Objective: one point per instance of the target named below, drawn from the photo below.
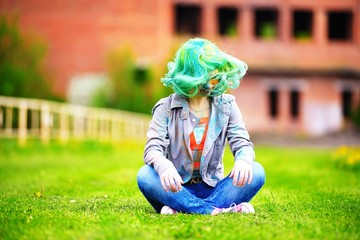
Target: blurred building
(304, 56)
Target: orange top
(197, 140)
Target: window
(340, 26)
(273, 102)
(294, 104)
(346, 96)
(266, 23)
(227, 19)
(188, 19)
(302, 25)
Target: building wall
(81, 33)
(320, 104)
(284, 51)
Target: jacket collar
(178, 101)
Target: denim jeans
(198, 198)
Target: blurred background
(303, 57)
(78, 80)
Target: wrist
(243, 160)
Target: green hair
(196, 63)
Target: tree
(21, 63)
(133, 86)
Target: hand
(242, 172)
(171, 180)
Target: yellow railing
(32, 118)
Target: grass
(88, 191)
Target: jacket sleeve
(157, 139)
(238, 137)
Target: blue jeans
(198, 198)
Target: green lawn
(89, 191)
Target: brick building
(304, 56)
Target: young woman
(184, 169)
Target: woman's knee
(146, 176)
(259, 173)
(143, 174)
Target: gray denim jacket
(168, 137)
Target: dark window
(340, 25)
(302, 24)
(346, 96)
(273, 100)
(294, 103)
(266, 23)
(227, 19)
(188, 19)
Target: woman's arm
(238, 137)
(241, 147)
(157, 139)
(156, 147)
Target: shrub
(133, 86)
(22, 73)
(347, 157)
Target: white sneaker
(246, 207)
(243, 207)
(166, 210)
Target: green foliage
(231, 30)
(268, 31)
(88, 191)
(347, 157)
(134, 87)
(303, 35)
(21, 63)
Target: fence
(32, 118)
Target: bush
(347, 157)
(133, 87)
(21, 63)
